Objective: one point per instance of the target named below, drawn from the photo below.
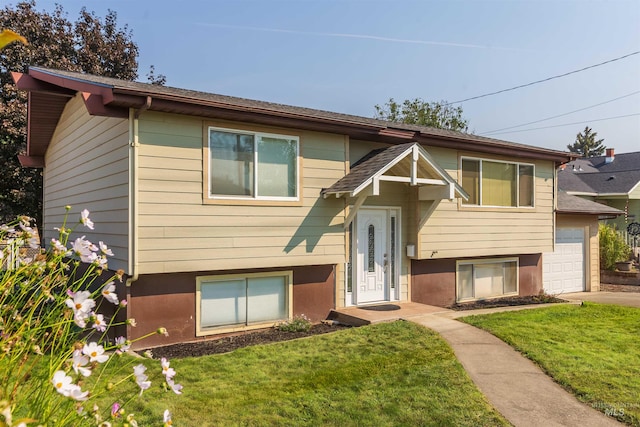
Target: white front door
(373, 256)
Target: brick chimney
(610, 156)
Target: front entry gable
(407, 163)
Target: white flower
(34, 243)
(177, 388)
(132, 422)
(100, 261)
(81, 304)
(166, 418)
(59, 247)
(81, 301)
(77, 394)
(166, 370)
(141, 378)
(26, 230)
(95, 352)
(84, 249)
(84, 219)
(80, 318)
(98, 322)
(79, 361)
(109, 293)
(62, 383)
(122, 344)
(104, 249)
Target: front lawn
(593, 350)
(386, 374)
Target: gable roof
(50, 89)
(577, 205)
(593, 176)
(374, 165)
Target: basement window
(240, 302)
(486, 278)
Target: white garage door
(563, 269)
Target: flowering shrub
(297, 324)
(52, 337)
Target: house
(228, 214)
(612, 179)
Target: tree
(90, 44)
(419, 112)
(586, 144)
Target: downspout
(134, 145)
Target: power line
(568, 124)
(560, 115)
(547, 79)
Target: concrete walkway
(514, 385)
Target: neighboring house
(228, 214)
(613, 180)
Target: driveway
(630, 299)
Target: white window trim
(287, 274)
(255, 162)
(517, 164)
(487, 261)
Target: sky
(349, 55)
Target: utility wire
(568, 124)
(545, 80)
(560, 115)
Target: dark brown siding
(169, 301)
(530, 275)
(313, 291)
(163, 300)
(433, 282)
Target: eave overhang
(112, 101)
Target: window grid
(254, 192)
(520, 199)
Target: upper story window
(497, 184)
(252, 165)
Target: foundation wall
(169, 301)
(433, 282)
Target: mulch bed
(266, 336)
(505, 302)
(227, 344)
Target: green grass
(387, 374)
(592, 350)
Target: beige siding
(592, 245)
(178, 232)
(87, 168)
(455, 232)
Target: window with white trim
(252, 165)
(238, 302)
(477, 279)
(497, 184)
